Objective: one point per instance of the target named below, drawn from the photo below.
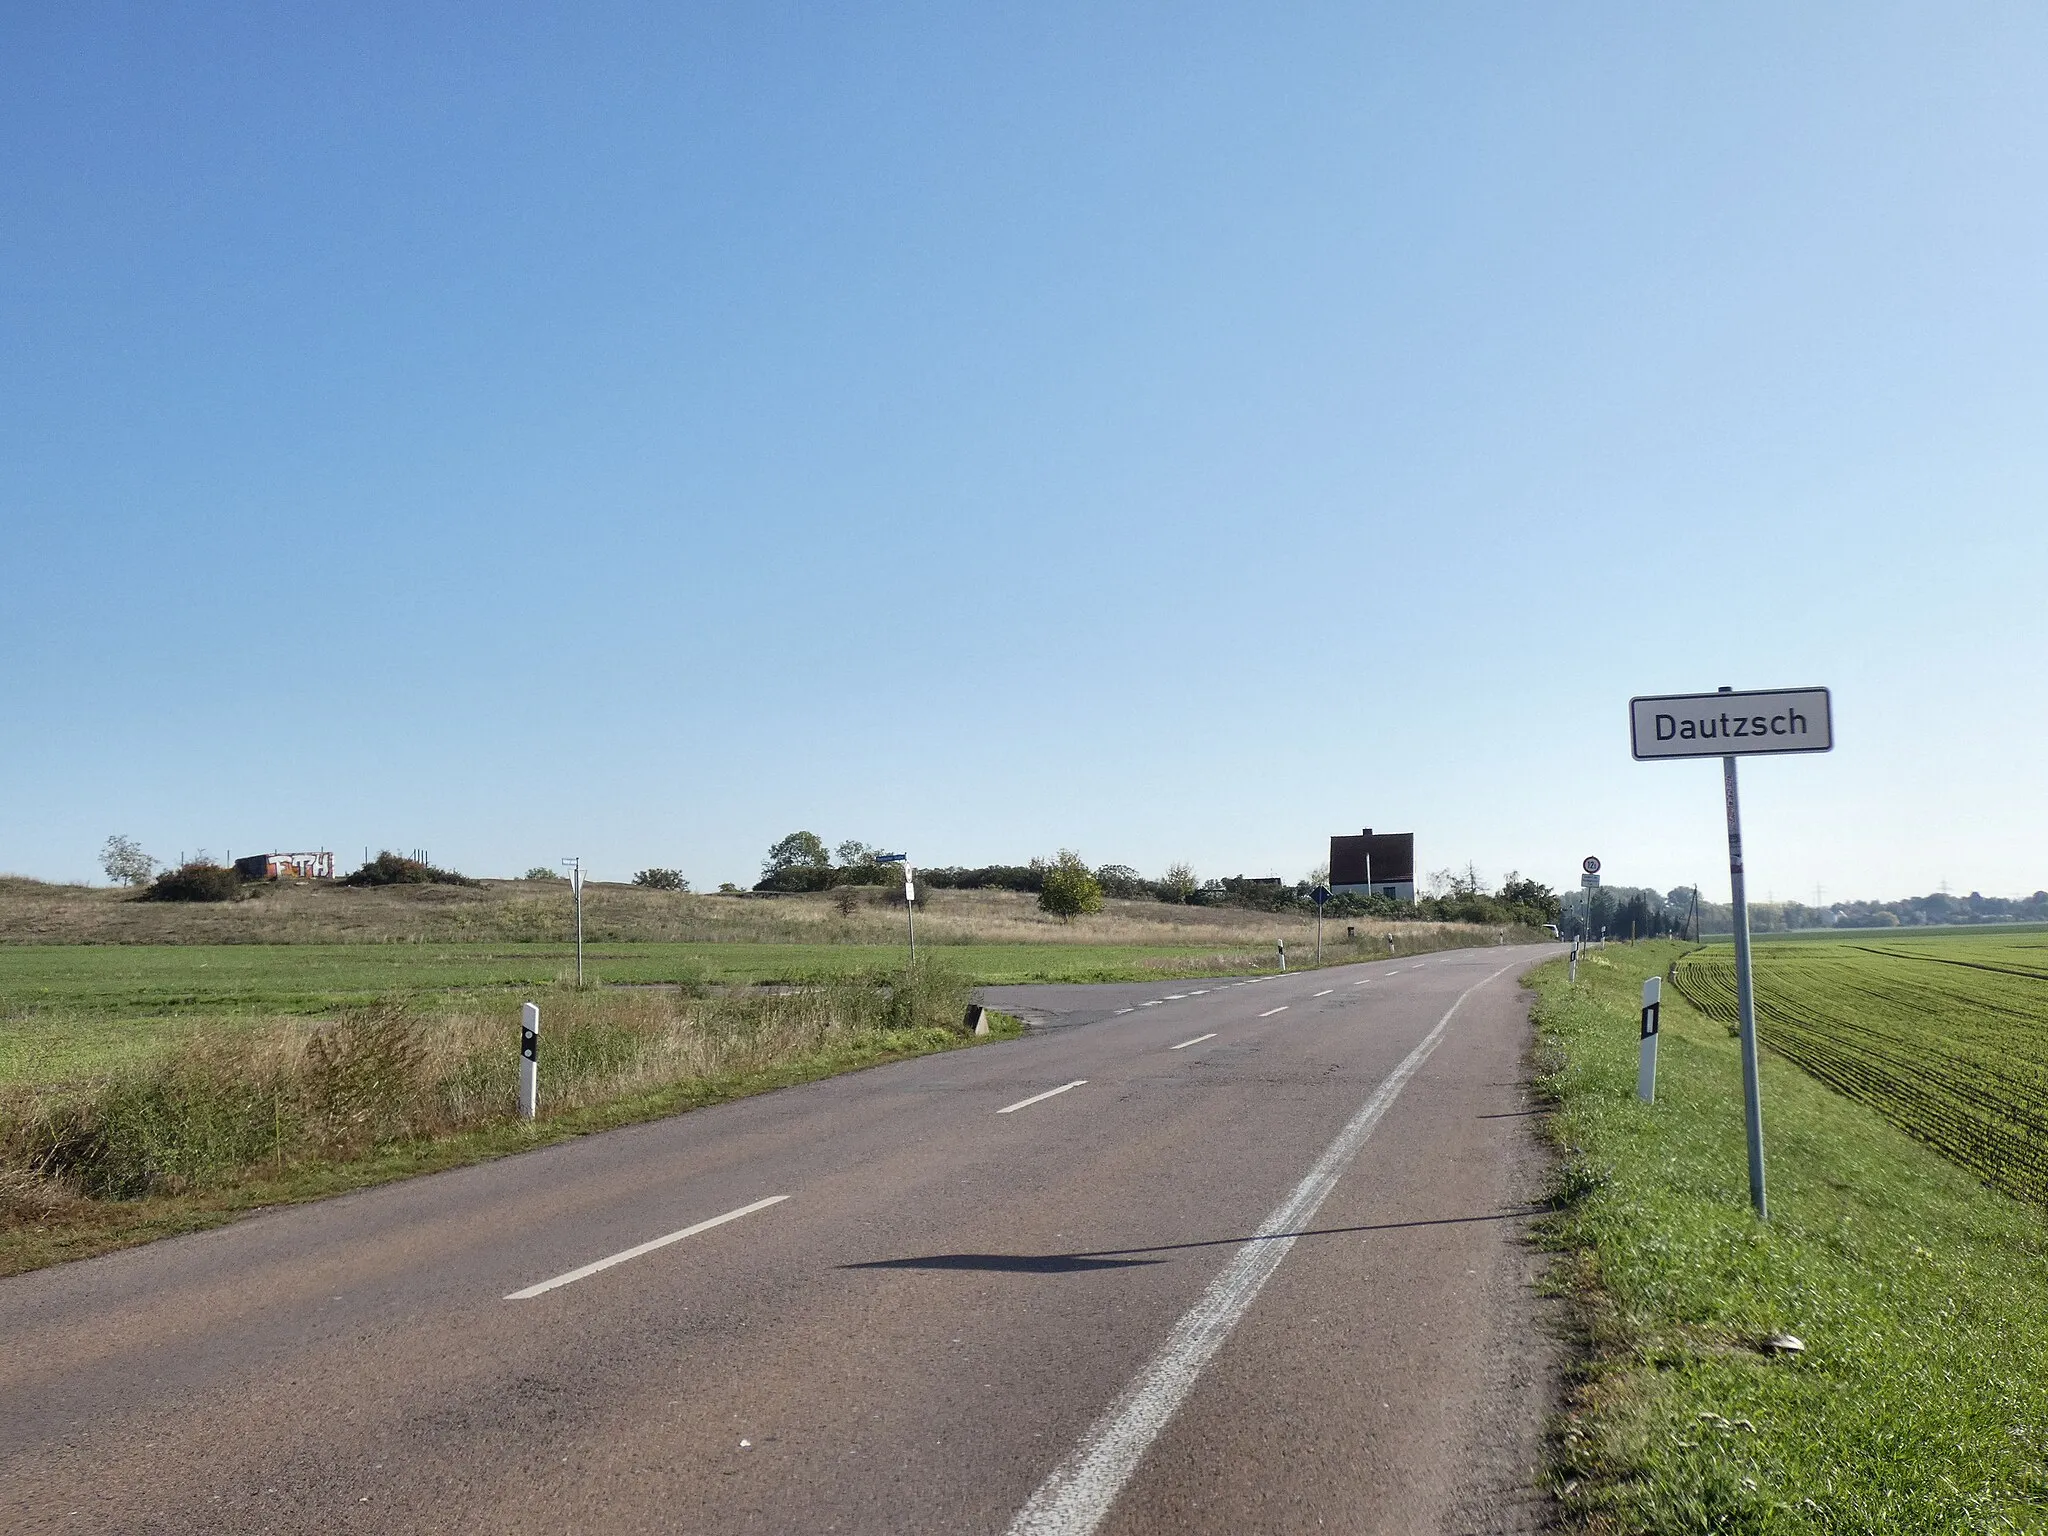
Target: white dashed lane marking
(637, 1250)
(1037, 1097)
(1196, 1041)
(1271, 1011)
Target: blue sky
(1166, 432)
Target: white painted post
(529, 1060)
(1283, 954)
(1646, 1068)
(1574, 977)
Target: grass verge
(1921, 1401)
(229, 1123)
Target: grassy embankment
(223, 1121)
(1921, 1401)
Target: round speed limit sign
(1590, 865)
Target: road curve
(1218, 1257)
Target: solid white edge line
(648, 1247)
(1077, 1495)
(1196, 1041)
(1271, 1011)
(1023, 1103)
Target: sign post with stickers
(1728, 725)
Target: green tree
(661, 880)
(125, 862)
(1070, 891)
(1122, 882)
(798, 851)
(1179, 881)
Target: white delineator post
(529, 1060)
(1646, 1068)
(1283, 955)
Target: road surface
(1206, 1257)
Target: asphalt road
(1272, 1280)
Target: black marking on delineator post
(529, 1060)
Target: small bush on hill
(389, 868)
(196, 881)
(661, 880)
(541, 872)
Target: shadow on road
(1119, 1258)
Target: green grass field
(67, 1009)
(1921, 1401)
(1946, 1037)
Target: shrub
(196, 881)
(661, 880)
(541, 872)
(1070, 891)
(389, 868)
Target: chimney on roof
(1367, 832)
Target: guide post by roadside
(529, 1060)
(1764, 723)
(1646, 1065)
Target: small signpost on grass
(1728, 725)
(1319, 895)
(909, 894)
(1646, 1066)
(575, 867)
(529, 1060)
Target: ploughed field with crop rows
(1947, 1037)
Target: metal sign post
(909, 894)
(1745, 997)
(1728, 725)
(1319, 895)
(576, 887)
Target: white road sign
(1732, 724)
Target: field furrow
(1946, 1038)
